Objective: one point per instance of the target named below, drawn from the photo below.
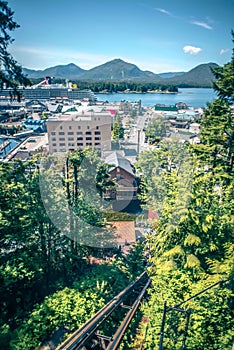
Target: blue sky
(156, 35)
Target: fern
(177, 250)
(192, 240)
(192, 261)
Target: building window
(62, 139)
(70, 133)
(97, 132)
(61, 128)
(97, 127)
(54, 150)
(54, 144)
(88, 138)
(61, 133)
(53, 139)
(79, 143)
(70, 138)
(88, 143)
(80, 138)
(62, 144)
(78, 127)
(79, 133)
(88, 133)
(88, 127)
(97, 144)
(62, 150)
(71, 144)
(97, 138)
(70, 128)
(53, 133)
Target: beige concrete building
(79, 130)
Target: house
(36, 106)
(123, 172)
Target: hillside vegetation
(191, 244)
(118, 70)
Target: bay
(194, 97)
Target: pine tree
(118, 130)
(10, 72)
(191, 251)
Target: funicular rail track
(88, 336)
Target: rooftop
(117, 160)
(124, 232)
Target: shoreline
(195, 97)
(137, 92)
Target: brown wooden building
(122, 172)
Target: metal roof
(119, 161)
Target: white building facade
(78, 131)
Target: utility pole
(138, 141)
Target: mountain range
(119, 70)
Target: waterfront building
(163, 107)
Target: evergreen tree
(156, 130)
(10, 72)
(118, 130)
(191, 244)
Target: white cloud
(224, 51)
(202, 24)
(192, 50)
(163, 11)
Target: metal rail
(116, 340)
(89, 330)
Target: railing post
(186, 329)
(162, 326)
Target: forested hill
(119, 70)
(200, 76)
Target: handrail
(85, 332)
(116, 339)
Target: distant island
(137, 92)
(106, 87)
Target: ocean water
(194, 97)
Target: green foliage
(211, 316)
(224, 79)
(121, 86)
(135, 261)
(118, 130)
(191, 245)
(67, 307)
(156, 130)
(119, 216)
(37, 259)
(70, 307)
(10, 73)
